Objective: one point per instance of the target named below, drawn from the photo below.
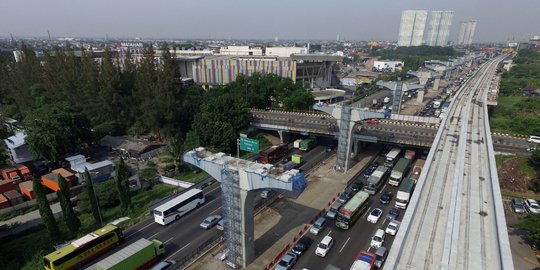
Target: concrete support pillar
(248, 229)
(284, 136)
(420, 96)
(436, 84)
(423, 79)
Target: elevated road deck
(455, 219)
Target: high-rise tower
(466, 32)
(411, 29)
(439, 28)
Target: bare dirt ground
(511, 179)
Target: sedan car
(532, 206)
(324, 246)
(164, 265)
(302, 245)
(378, 239)
(380, 256)
(287, 261)
(519, 207)
(374, 215)
(357, 186)
(210, 222)
(345, 196)
(393, 213)
(393, 227)
(386, 198)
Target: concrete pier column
(420, 96)
(248, 229)
(436, 84)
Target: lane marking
(168, 240)
(153, 235)
(344, 244)
(178, 251)
(139, 230)
(366, 213)
(329, 233)
(213, 189)
(211, 213)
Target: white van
(534, 139)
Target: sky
(498, 20)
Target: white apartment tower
(466, 32)
(439, 28)
(411, 29)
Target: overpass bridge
(401, 130)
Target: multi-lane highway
(184, 236)
(348, 243)
(455, 219)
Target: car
(164, 265)
(210, 222)
(386, 198)
(393, 214)
(378, 239)
(345, 196)
(393, 227)
(357, 186)
(519, 207)
(372, 121)
(380, 256)
(332, 212)
(532, 206)
(318, 226)
(287, 261)
(264, 193)
(374, 215)
(324, 246)
(219, 225)
(302, 245)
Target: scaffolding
(398, 93)
(344, 140)
(232, 216)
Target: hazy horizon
(243, 19)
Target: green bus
(352, 210)
(81, 251)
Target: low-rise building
(18, 149)
(99, 171)
(388, 66)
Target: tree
(532, 224)
(72, 221)
(45, 212)
(535, 159)
(56, 129)
(122, 184)
(94, 205)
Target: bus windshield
(158, 213)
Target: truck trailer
(391, 157)
(307, 144)
(399, 171)
(140, 255)
(375, 180)
(404, 193)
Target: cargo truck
(273, 153)
(296, 143)
(404, 193)
(375, 180)
(399, 171)
(307, 144)
(391, 157)
(296, 159)
(139, 255)
(24, 172)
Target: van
(534, 139)
(318, 226)
(332, 212)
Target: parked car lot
(532, 206)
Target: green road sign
(249, 145)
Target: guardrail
(197, 253)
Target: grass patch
(18, 212)
(193, 176)
(518, 115)
(26, 250)
(522, 161)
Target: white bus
(534, 139)
(179, 206)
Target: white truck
(375, 180)
(400, 170)
(404, 193)
(391, 157)
(296, 143)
